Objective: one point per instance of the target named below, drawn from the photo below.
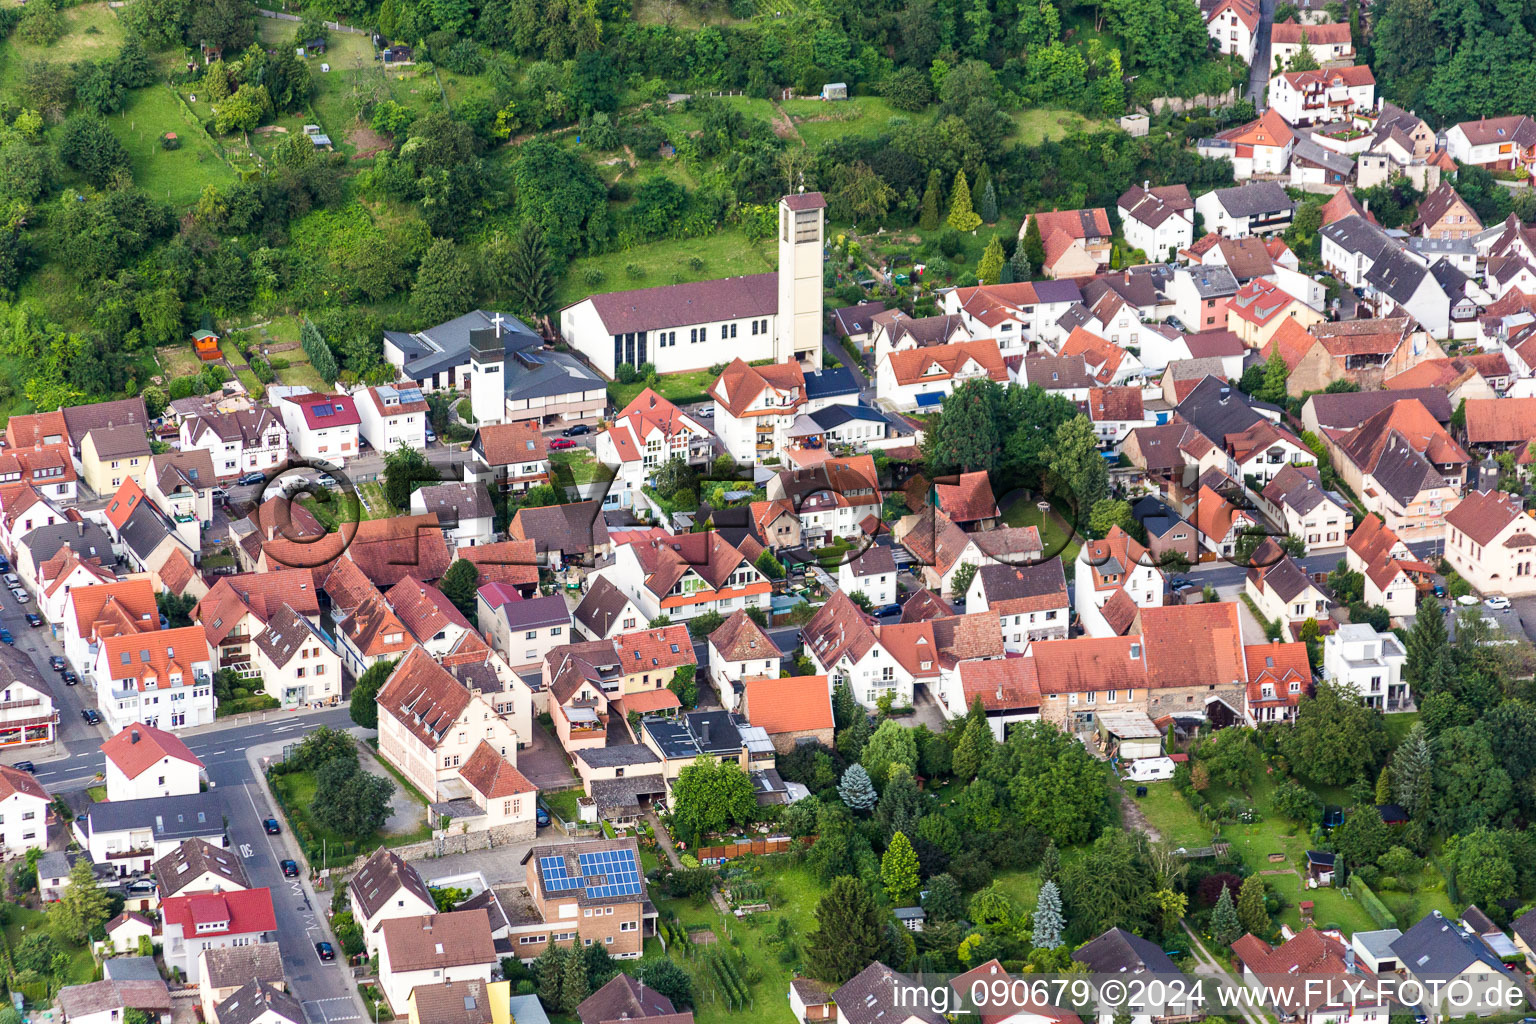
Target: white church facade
(693, 326)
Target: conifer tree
(933, 201)
(990, 269)
(1020, 265)
(1424, 643)
(1048, 922)
(1413, 772)
(988, 207)
(961, 216)
(1033, 245)
(898, 871)
(574, 986)
(1252, 914)
(1050, 863)
(857, 791)
(1225, 924)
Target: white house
(322, 427)
(1262, 146)
(1031, 602)
(1370, 664)
(1113, 579)
(872, 573)
(1324, 95)
(1491, 542)
(161, 678)
(687, 575)
(241, 441)
(647, 434)
(513, 457)
(130, 835)
(463, 510)
(1233, 24)
(844, 646)
(212, 920)
(432, 949)
(23, 812)
(296, 662)
(1157, 220)
(1329, 43)
(143, 762)
(775, 316)
(1497, 143)
(260, 1002)
(1115, 412)
(391, 417)
(181, 484)
(1017, 316)
(755, 407)
(1257, 208)
(737, 649)
(386, 888)
(921, 378)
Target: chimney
(704, 733)
(133, 736)
(1146, 184)
(80, 528)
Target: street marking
(215, 752)
(246, 851)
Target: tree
(769, 566)
(36, 953)
(933, 199)
(1074, 459)
(891, 744)
(445, 283)
(988, 203)
(664, 976)
(961, 217)
(88, 145)
(349, 800)
(990, 268)
(1275, 377)
(901, 806)
(1056, 787)
(1251, 910)
(711, 795)
(1109, 885)
(574, 984)
(1023, 269)
(1335, 739)
(177, 608)
(975, 746)
(1225, 924)
(1481, 866)
(1230, 757)
(1362, 838)
(1298, 803)
(1110, 512)
(1424, 643)
(849, 932)
(363, 705)
(856, 789)
(1033, 245)
(403, 469)
(898, 871)
(684, 685)
(83, 906)
(526, 274)
(966, 438)
(549, 973)
(944, 901)
(1048, 921)
(1384, 786)
(459, 585)
(960, 580)
(1050, 863)
(1305, 59)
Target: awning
(929, 399)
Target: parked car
(888, 611)
(25, 766)
(1467, 601)
(11, 580)
(325, 480)
(325, 951)
(1438, 589)
(34, 620)
(91, 716)
(5, 564)
(431, 436)
(706, 412)
(559, 444)
(251, 478)
(290, 869)
(140, 887)
(69, 677)
(21, 596)
(576, 430)
(219, 494)
(57, 663)
(6, 638)
(271, 826)
(1497, 604)
(541, 816)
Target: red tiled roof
(241, 912)
(505, 444)
(155, 656)
(792, 704)
(1500, 420)
(645, 649)
(493, 776)
(940, 362)
(343, 410)
(968, 499)
(1110, 404)
(138, 747)
(14, 780)
(1268, 130)
(1482, 515)
(1331, 34)
(739, 385)
(1001, 684)
(423, 697)
(1101, 356)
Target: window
(532, 634)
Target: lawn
(581, 464)
(178, 176)
(178, 361)
(21, 922)
(726, 253)
(679, 388)
(375, 504)
(1038, 124)
(353, 76)
(562, 804)
(860, 117)
(322, 847)
(1057, 537)
(91, 32)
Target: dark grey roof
(1140, 286)
(1254, 198)
(1396, 274)
(119, 442)
(1212, 281)
(1437, 946)
(456, 502)
(185, 864)
(870, 998)
(874, 559)
(536, 612)
(170, 818)
(1011, 582)
(621, 796)
(16, 666)
(619, 756)
(1117, 950)
(1155, 516)
(1057, 373)
(602, 606)
(623, 998)
(1349, 409)
(485, 900)
(1217, 409)
(1452, 281)
(837, 415)
(86, 537)
(1057, 291)
(437, 348)
(80, 419)
(1355, 234)
(1525, 927)
(229, 966)
(1478, 921)
(856, 319)
(1403, 471)
(1284, 577)
(830, 382)
(255, 998)
(1330, 159)
(131, 968)
(383, 875)
(543, 373)
(144, 530)
(698, 732)
(1077, 315)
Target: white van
(1150, 769)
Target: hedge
(1383, 917)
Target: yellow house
(110, 455)
(1259, 308)
(463, 1002)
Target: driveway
(544, 763)
(1525, 607)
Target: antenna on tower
(802, 181)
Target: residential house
(512, 456)
(843, 645)
(1077, 242)
(1030, 601)
(1313, 165)
(96, 612)
(522, 630)
(1257, 208)
(873, 996)
(723, 735)
(160, 678)
(30, 430)
(322, 427)
(1500, 424)
(624, 998)
(182, 485)
(463, 510)
(1234, 25)
(1296, 500)
(585, 891)
(564, 535)
(1377, 554)
(687, 575)
(49, 469)
(921, 378)
(130, 835)
(110, 455)
(1278, 675)
(1119, 952)
(1019, 316)
(259, 1002)
(386, 888)
(1457, 376)
(24, 807)
(296, 661)
(1283, 591)
(1491, 542)
(199, 866)
(859, 426)
(855, 323)
(62, 573)
(467, 1002)
(500, 799)
(1404, 467)
(1113, 578)
(1440, 952)
(647, 434)
(832, 498)
(237, 610)
(1349, 998)
(1369, 663)
(1259, 308)
(895, 331)
(143, 763)
(432, 949)
(739, 648)
(940, 547)
(1328, 43)
(1262, 146)
(1493, 143)
(239, 441)
(1437, 296)
(755, 407)
(793, 710)
(22, 510)
(1365, 352)
(1157, 220)
(966, 499)
(605, 611)
(1220, 523)
(1169, 535)
(1200, 296)
(124, 931)
(872, 573)
(108, 1001)
(1323, 95)
(391, 417)
(28, 714)
(1107, 363)
(1444, 214)
(1066, 376)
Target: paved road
(38, 643)
(1258, 73)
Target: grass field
(91, 32)
(22, 922)
(724, 254)
(680, 388)
(178, 361)
(177, 176)
(1040, 123)
(1054, 533)
(582, 464)
(859, 117)
(297, 790)
(561, 804)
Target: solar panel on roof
(323, 410)
(408, 395)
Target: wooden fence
(772, 844)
